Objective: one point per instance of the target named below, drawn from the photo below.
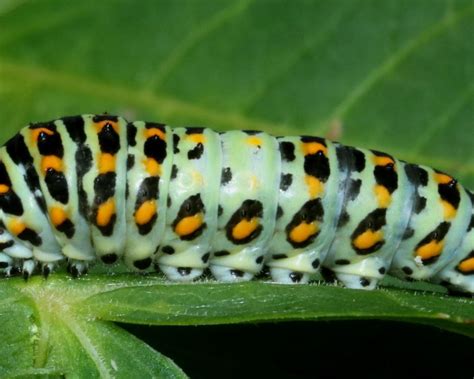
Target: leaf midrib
(169, 106)
(64, 311)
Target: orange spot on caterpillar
(383, 196)
(188, 225)
(106, 163)
(152, 167)
(36, 132)
(155, 132)
(105, 213)
(254, 182)
(101, 124)
(368, 239)
(57, 215)
(430, 250)
(51, 161)
(442, 178)
(254, 141)
(17, 227)
(303, 231)
(197, 179)
(466, 266)
(383, 161)
(315, 187)
(197, 138)
(145, 213)
(245, 228)
(4, 189)
(449, 210)
(310, 148)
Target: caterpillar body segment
(149, 167)
(25, 218)
(438, 224)
(182, 200)
(309, 205)
(376, 209)
(248, 204)
(458, 274)
(191, 215)
(105, 185)
(58, 174)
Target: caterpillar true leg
(28, 267)
(6, 262)
(76, 267)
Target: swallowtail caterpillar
(183, 200)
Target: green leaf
(61, 326)
(46, 333)
(391, 75)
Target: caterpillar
(183, 200)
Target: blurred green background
(394, 75)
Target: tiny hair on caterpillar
(183, 200)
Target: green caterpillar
(185, 199)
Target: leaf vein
(88, 346)
(300, 53)
(196, 35)
(394, 60)
(443, 119)
(166, 105)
